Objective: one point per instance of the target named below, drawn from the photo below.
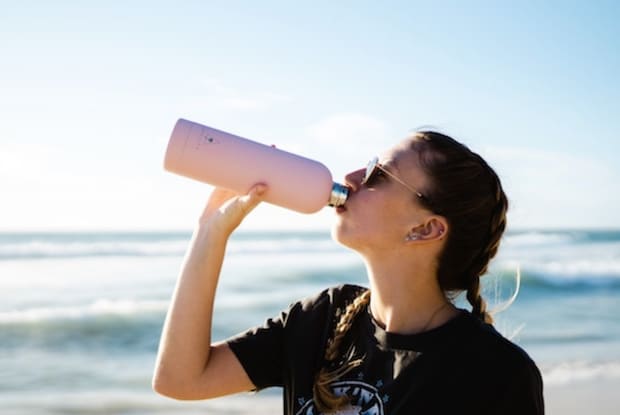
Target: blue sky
(89, 95)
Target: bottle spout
(338, 195)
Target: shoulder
(489, 349)
(513, 373)
(309, 322)
(320, 309)
(332, 297)
(304, 318)
(489, 362)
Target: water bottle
(225, 160)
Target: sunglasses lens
(371, 169)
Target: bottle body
(225, 160)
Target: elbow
(174, 387)
(162, 384)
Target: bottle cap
(338, 195)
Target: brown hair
(466, 191)
(324, 399)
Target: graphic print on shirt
(364, 399)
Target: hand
(225, 209)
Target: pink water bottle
(225, 160)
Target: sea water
(81, 313)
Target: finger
(218, 197)
(253, 197)
(221, 194)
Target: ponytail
(468, 193)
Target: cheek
(377, 222)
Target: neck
(407, 299)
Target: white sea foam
(567, 372)
(102, 307)
(579, 267)
(63, 246)
(576, 270)
(284, 245)
(51, 249)
(535, 238)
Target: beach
(598, 397)
(81, 313)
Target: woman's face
(380, 214)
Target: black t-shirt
(462, 367)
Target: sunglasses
(374, 168)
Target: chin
(343, 235)
(338, 233)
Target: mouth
(341, 209)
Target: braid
(324, 398)
(468, 193)
(479, 305)
(479, 265)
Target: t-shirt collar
(435, 338)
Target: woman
(426, 218)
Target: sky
(90, 91)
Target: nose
(354, 179)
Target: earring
(412, 236)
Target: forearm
(186, 338)
(187, 365)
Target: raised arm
(188, 366)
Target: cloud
(221, 96)
(24, 165)
(347, 140)
(555, 189)
(348, 129)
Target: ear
(433, 228)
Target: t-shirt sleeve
(524, 393)
(260, 350)
(271, 353)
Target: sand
(592, 397)
(599, 396)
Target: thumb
(253, 197)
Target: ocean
(81, 313)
